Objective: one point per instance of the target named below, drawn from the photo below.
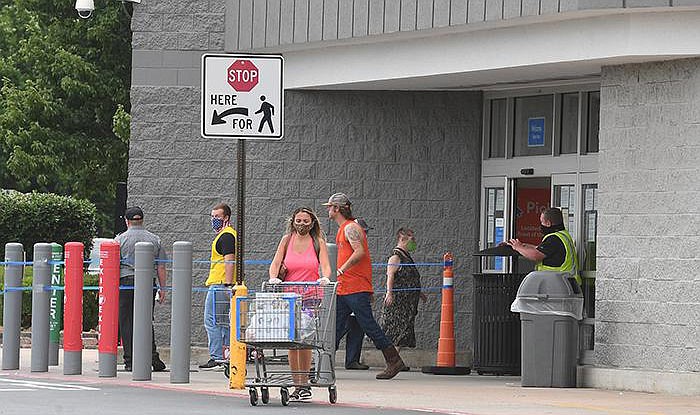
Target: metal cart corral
(293, 315)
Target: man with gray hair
(127, 240)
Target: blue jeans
(353, 341)
(214, 322)
(359, 304)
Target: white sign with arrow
(242, 96)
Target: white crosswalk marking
(34, 385)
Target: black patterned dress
(400, 316)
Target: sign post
(242, 98)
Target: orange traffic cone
(446, 343)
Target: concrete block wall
(405, 159)
(648, 280)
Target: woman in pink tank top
(300, 258)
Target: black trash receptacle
(550, 306)
(496, 330)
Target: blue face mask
(217, 224)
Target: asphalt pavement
(22, 392)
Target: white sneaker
(300, 395)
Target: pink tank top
(301, 267)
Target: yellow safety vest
(570, 263)
(217, 269)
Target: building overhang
(556, 49)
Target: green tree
(62, 81)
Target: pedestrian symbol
(268, 111)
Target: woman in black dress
(403, 291)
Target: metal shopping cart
(222, 318)
(293, 316)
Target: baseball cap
(134, 213)
(339, 199)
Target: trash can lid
(549, 284)
(500, 250)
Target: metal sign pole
(237, 350)
(240, 212)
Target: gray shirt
(127, 247)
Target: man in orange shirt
(355, 283)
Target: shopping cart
(292, 315)
(222, 318)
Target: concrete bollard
(12, 306)
(143, 311)
(181, 314)
(108, 326)
(73, 310)
(41, 280)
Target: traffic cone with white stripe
(446, 343)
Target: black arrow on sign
(219, 118)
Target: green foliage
(64, 100)
(44, 217)
(90, 308)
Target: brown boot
(394, 364)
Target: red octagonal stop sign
(242, 75)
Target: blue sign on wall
(535, 132)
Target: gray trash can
(550, 306)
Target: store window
(533, 125)
(569, 123)
(497, 139)
(565, 199)
(593, 122)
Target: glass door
(495, 222)
(587, 261)
(576, 195)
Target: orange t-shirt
(357, 278)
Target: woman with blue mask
(403, 291)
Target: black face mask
(546, 230)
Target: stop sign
(242, 75)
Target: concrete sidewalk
(473, 394)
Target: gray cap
(338, 199)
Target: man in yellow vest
(222, 274)
(557, 251)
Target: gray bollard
(143, 311)
(332, 258)
(181, 314)
(12, 306)
(41, 297)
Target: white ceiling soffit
(542, 51)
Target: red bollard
(73, 310)
(108, 312)
(446, 342)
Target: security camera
(84, 8)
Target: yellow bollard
(237, 354)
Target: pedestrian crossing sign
(242, 96)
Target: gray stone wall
(648, 280)
(405, 159)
